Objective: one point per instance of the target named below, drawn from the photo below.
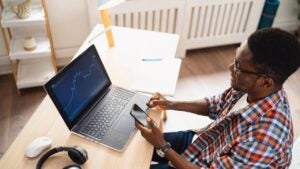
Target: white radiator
(219, 22)
(200, 23)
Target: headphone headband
(82, 155)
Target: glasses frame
(238, 70)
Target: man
(252, 127)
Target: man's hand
(160, 101)
(153, 135)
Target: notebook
(90, 105)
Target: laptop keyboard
(109, 109)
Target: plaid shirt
(259, 135)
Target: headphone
(76, 153)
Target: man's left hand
(153, 135)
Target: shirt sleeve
(217, 103)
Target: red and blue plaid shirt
(259, 135)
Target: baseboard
(4, 65)
(63, 57)
(5, 69)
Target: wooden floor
(203, 72)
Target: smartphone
(139, 115)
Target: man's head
(265, 60)
(276, 51)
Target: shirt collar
(257, 109)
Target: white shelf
(17, 50)
(10, 19)
(34, 73)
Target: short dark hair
(276, 51)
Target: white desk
(124, 62)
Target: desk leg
(161, 122)
(106, 22)
(163, 118)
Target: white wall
(69, 21)
(69, 25)
(286, 17)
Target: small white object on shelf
(17, 48)
(10, 19)
(23, 9)
(29, 43)
(34, 72)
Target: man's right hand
(159, 101)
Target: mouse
(37, 146)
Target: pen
(151, 59)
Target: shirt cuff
(212, 108)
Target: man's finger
(138, 126)
(152, 125)
(158, 103)
(150, 101)
(155, 96)
(141, 127)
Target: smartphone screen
(139, 115)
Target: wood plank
(15, 110)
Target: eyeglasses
(236, 70)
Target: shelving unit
(35, 67)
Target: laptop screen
(79, 84)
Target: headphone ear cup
(78, 154)
(72, 166)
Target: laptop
(90, 105)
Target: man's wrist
(171, 104)
(163, 150)
(161, 145)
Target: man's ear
(267, 82)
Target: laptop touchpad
(125, 124)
